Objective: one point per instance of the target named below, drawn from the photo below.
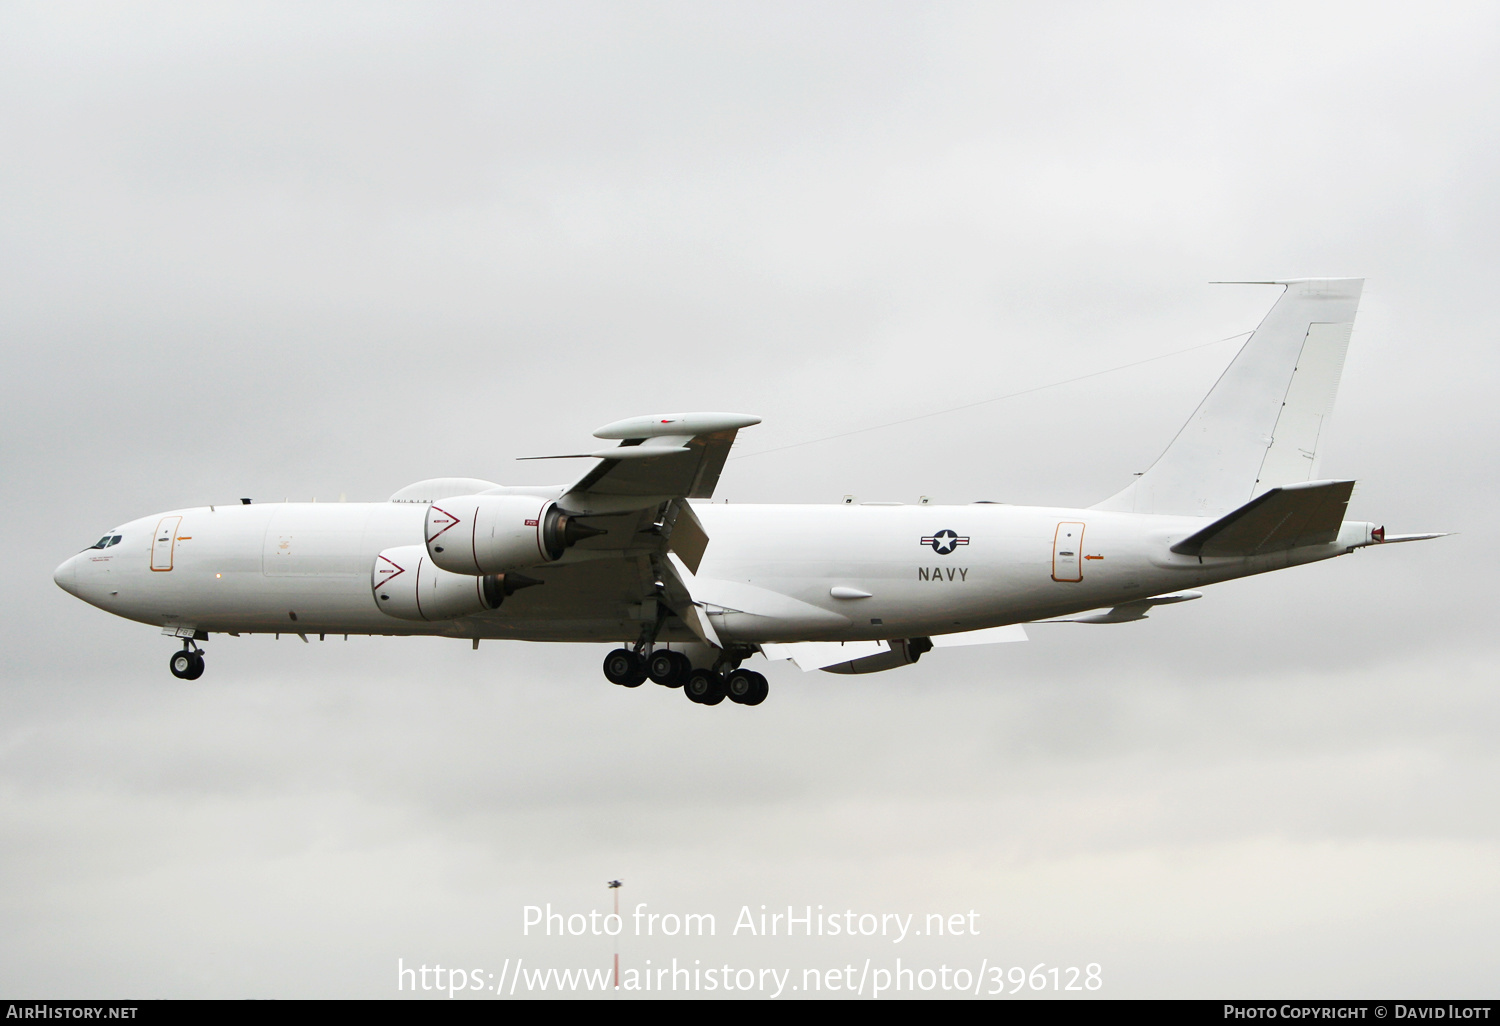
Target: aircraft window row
(106, 541)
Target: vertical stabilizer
(1261, 425)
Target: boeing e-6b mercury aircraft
(691, 591)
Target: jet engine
(408, 586)
(490, 534)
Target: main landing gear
(187, 664)
(703, 686)
(669, 669)
(746, 687)
(625, 668)
(743, 687)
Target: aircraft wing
(660, 458)
(637, 495)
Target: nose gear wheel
(186, 664)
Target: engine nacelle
(490, 534)
(408, 586)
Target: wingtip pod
(660, 434)
(688, 424)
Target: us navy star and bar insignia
(945, 541)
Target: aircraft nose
(66, 576)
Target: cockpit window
(115, 540)
(105, 542)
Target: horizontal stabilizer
(1283, 518)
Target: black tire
(704, 687)
(740, 685)
(747, 687)
(762, 689)
(197, 668)
(625, 668)
(181, 665)
(669, 669)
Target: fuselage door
(1067, 552)
(162, 543)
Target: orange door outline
(163, 542)
(1067, 552)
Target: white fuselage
(769, 574)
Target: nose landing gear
(188, 663)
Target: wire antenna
(994, 399)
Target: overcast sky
(317, 249)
